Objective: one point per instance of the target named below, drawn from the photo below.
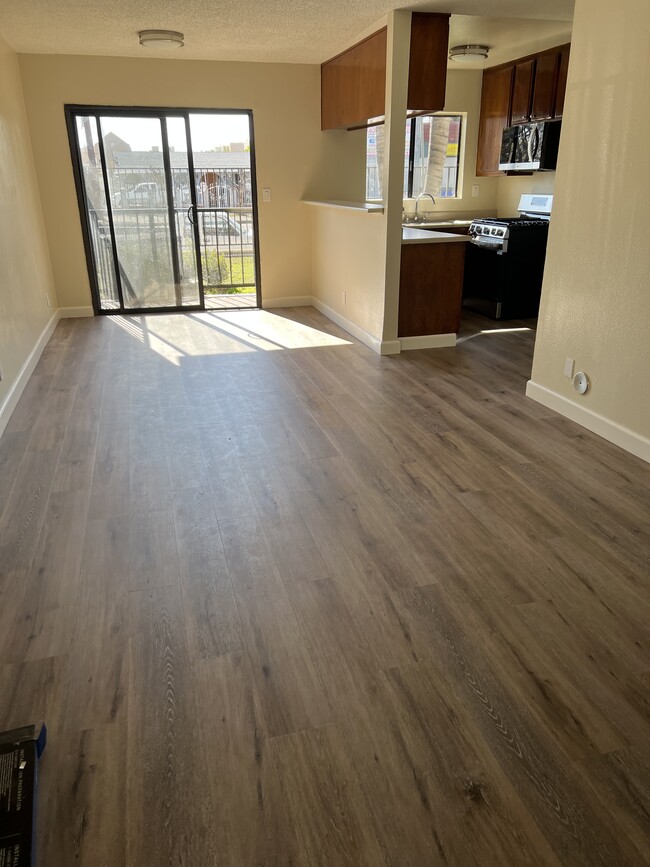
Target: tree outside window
(431, 157)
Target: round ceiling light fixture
(161, 38)
(468, 53)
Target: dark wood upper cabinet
(353, 84)
(563, 68)
(543, 103)
(495, 114)
(428, 62)
(522, 91)
(529, 89)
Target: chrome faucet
(421, 196)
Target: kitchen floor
(473, 324)
(282, 601)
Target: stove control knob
(494, 231)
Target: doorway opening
(168, 204)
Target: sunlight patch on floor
(491, 331)
(226, 332)
(269, 331)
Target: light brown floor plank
(282, 601)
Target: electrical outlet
(475, 190)
(266, 194)
(569, 365)
(47, 300)
(343, 297)
(2, 373)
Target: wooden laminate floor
(284, 602)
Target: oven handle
(485, 244)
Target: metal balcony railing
(142, 235)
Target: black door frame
(72, 111)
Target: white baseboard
(291, 301)
(390, 347)
(75, 312)
(13, 396)
(627, 439)
(361, 334)
(428, 341)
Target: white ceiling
(293, 31)
(507, 38)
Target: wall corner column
(397, 76)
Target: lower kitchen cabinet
(430, 289)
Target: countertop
(426, 236)
(366, 207)
(433, 223)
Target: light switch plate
(266, 194)
(569, 365)
(475, 190)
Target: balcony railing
(142, 235)
(215, 187)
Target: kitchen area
(478, 170)
(498, 273)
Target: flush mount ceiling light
(161, 38)
(468, 53)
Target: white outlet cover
(569, 365)
(581, 382)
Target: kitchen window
(431, 157)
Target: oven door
(483, 281)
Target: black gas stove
(497, 232)
(504, 264)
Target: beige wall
(510, 190)
(397, 76)
(25, 276)
(293, 158)
(596, 296)
(349, 255)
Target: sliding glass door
(167, 226)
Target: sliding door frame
(72, 111)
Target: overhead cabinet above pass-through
(353, 84)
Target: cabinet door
(430, 289)
(495, 111)
(428, 62)
(563, 68)
(544, 86)
(522, 91)
(353, 84)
